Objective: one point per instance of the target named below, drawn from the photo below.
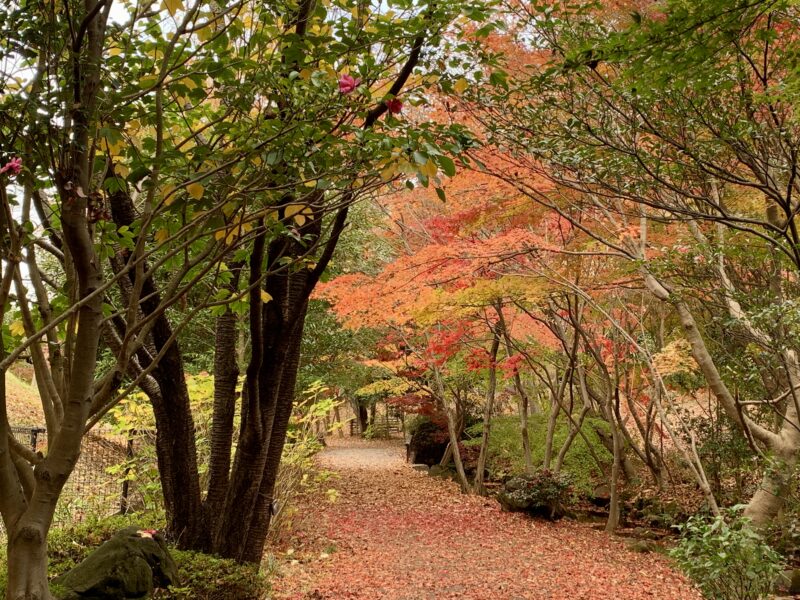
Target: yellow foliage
(384, 387)
(17, 328)
(675, 357)
(173, 6)
(195, 190)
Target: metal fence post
(34, 432)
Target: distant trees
(671, 135)
(645, 223)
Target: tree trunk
(575, 428)
(226, 376)
(27, 565)
(337, 418)
(523, 402)
(770, 497)
(176, 449)
(452, 432)
(552, 420)
(363, 419)
(613, 506)
(491, 387)
(259, 527)
(523, 432)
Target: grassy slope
(24, 405)
(505, 448)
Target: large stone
(524, 494)
(788, 582)
(126, 567)
(642, 546)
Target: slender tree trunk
(574, 430)
(491, 388)
(337, 417)
(552, 420)
(613, 507)
(523, 402)
(453, 433)
(523, 431)
(226, 375)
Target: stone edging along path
(395, 534)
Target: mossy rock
(128, 566)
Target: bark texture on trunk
(27, 566)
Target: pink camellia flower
(394, 105)
(14, 166)
(347, 83)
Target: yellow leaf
(265, 296)
(162, 235)
(292, 209)
(122, 170)
(113, 148)
(389, 172)
(17, 328)
(305, 74)
(430, 169)
(114, 51)
(461, 85)
(169, 194)
(195, 190)
(148, 82)
(173, 6)
(219, 234)
(204, 33)
(300, 220)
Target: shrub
(727, 558)
(206, 577)
(505, 448)
(543, 493)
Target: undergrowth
(507, 459)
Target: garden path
(392, 533)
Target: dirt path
(396, 534)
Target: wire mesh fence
(104, 481)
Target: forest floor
(390, 532)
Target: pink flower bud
(347, 84)
(14, 166)
(394, 105)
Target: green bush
(206, 577)
(506, 459)
(543, 493)
(727, 558)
